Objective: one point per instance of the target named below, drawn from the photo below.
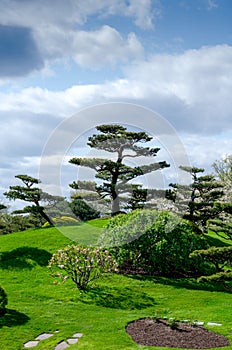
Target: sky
(60, 58)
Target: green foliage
(221, 227)
(200, 200)
(223, 278)
(81, 264)
(31, 194)
(125, 228)
(2, 206)
(58, 207)
(221, 259)
(82, 210)
(63, 221)
(3, 301)
(218, 256)
(12, 223)
(157, 241)
(115, 175)
(220, 277)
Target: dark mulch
(152, 332)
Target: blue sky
(59, 57)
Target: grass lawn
(36, 305)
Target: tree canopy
(115, 175)
(200, 200)
(34, 195)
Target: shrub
(81, 264)
(63, 221)
(157, 241)
(82, 210)
(3, 301)
(221, 260)
(123, 229)
(218, 256)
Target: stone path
(64, 344)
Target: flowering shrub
(81, 264)
(3, 301)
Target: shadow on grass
(187, 283)
(117, 298)
(13, 318)
(24, 258)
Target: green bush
(220, 259)
(157, 241)
(63, 221)
(3, 301)
(81, 264)
(125, 228)
(82, 210)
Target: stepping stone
(31, 344)
(198, 323)
(72, 340)
(44, 336)
(77, 335)
(213, 324)
(61, 346)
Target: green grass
(86, 233)
(37, 305)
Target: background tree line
(206, 201)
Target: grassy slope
(36, 305)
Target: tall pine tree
(115, 175)
(200, 200)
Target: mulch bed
(152, 332)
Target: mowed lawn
(37, 305)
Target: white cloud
(74, 12)
(199, 80)
(92, 49)
(141, 10)
(104, 46)
(203, 150)
(192, 90)
(192, 76)
(57, 28)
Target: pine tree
(222, 226)
(115, 175)
(199, 201)
(29, 193)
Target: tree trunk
(43, 214)
(115, 205)
(46, 217)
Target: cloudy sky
(59, 57)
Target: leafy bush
(3, 301)
(82, 210)
(12, 223)
(157, 241)
(63, 221)
(81, 264)
(123, 229)
(218, 256)
(221, 259)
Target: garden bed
(159, 332)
